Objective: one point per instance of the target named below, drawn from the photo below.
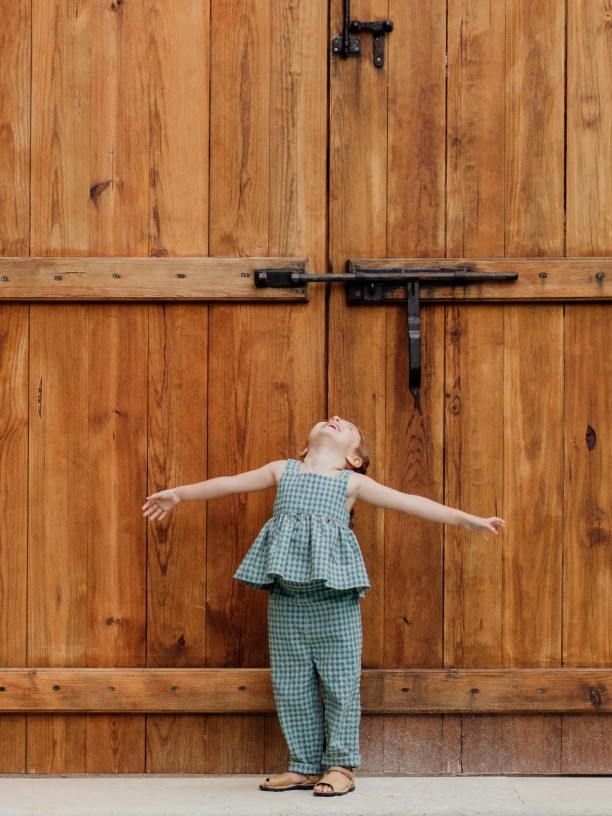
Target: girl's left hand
(483, 526)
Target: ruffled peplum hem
(304, 549)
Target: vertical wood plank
(118, 180)
(60, 127)
(414, 455)
(534, 217)
(15, 51)
(60, 156)
(119, 225)
(476, 138)
(178, 342)
(15, 82)
(417, 128)
(14, 372)
(57, 526)
(533, 478)
(357, 226)
(176, 601)
(589, 128)
(535, 98)
(587, 638)
(116, 543)
(476, 133)
(414, 441)
(179, 128)
(474, 482)
(266, 387)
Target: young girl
(309, 560)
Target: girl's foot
(290, 781)
(336, 782)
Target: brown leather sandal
(284, 782)
(347, 772)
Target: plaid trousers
(315, 635)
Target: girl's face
(344, 434)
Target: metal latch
(372, 286)
(347, 46)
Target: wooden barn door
(214, 128)
(485, 135)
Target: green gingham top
(307, 540)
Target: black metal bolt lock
(347, 46)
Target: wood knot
(591, 438)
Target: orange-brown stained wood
(586, 636)
(266, 364)
(589, 128)
(15, 62)
(58, 526)
(413, 578)
(119, 193)
(357, 228)
(14, 348)
(178, 365)
(59, 225)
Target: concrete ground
(239, 796)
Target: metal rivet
(600, 276)
(540, 691)
(299, 291)
(474, 691)
(358, 293)
(116, 276)
(244, 274)
(543, 275)
(180, 275)
(110, 688)
(4, 278)
(57, 277)
(174, 688)
(241, 688)
(56, 688)
(405, 690)
(599, 689)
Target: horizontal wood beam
(240, 691)
(129, 279)
(560, 279)
(232, 279)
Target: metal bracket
(372, 286)
(347, 46)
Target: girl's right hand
(158, 505)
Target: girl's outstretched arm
(362, 487)
(158, 505)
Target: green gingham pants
(315, 632)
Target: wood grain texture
(473, 571)
(534, 155)
(476, 132)
(15, 88)
(358, 226)
(414, 455)
(179, 128)
(416, 127)
(14, 372)
(249, 691)
(589, 128)
(133, 278)
(587, 576)
(61, 128)
(118, 183)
